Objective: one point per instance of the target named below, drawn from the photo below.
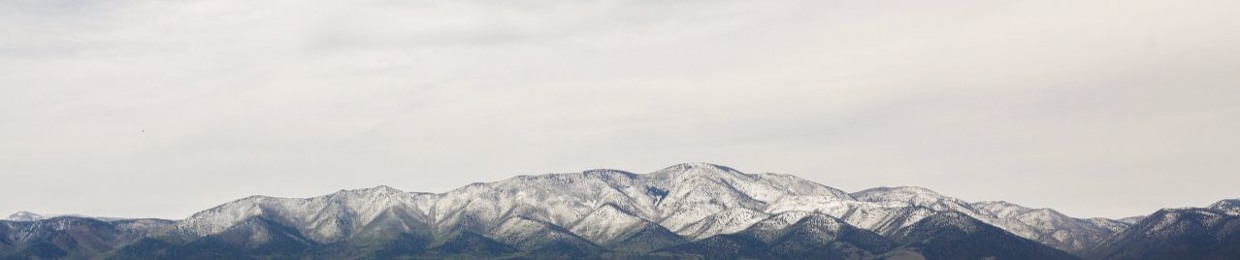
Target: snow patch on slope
(24, 216)
(1230, 206)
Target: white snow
(25, 216)
(1229, 207)
(695, 200)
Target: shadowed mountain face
(791, 235)
(72, 237)
(1188, 233)
(953, 235)
(687, 210)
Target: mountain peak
(701, 165)
(1132, 219)
(908, 189)
(384, 189)
(1002, 203)
(1229, 206)
(898, 193)
(25, 216)
(695, 168)
(377, 190)
(608, 172)
(1008, 209)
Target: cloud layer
(160, 108)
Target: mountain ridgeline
(691, 211)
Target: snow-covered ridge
(26, 216)
(604, 210)
(1179, 233)
(694, 200)
(1049, 226)
(1230, 206)
(325, 219)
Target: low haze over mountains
(687, 210)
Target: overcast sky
(163, 108)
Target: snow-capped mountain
(1049, 226)
(325, 219)
(687, 209)
(72, 237)
(24, 216)
(31, 216)
(1183, 233)
(1230, 207)
(955, 235)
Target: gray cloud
(161, 108)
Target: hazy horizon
(164, 108)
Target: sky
(164, 108)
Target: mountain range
(693, 210)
